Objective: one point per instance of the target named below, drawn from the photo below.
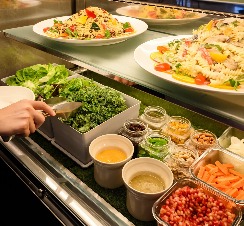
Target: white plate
(12, 94)
(139, 26)
(142, 57)
(126, 11)
(23, 4)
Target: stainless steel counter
(67, 197)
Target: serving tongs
(66, 109)
(62, 108)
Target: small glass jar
(178, 128)
(180, 159)
(201, 140)
(154, 116)
(135, 130)
(155, 145)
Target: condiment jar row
(154, 124)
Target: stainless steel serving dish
(224, 140)
(224, 156)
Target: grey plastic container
(224, 156)
(76, 144)
(193, 184)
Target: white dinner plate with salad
(176, 17)
(142, 57)
(139, 26)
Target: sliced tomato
(201, 80)
(162, 49)
(72, 28)
(129, 29)
(162, 67)
(46, 29)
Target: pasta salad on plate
(213, 55)
(90, 23)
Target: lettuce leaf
(38, 76)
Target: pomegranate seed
(192, 206)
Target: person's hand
(23, 117)
(124, 81)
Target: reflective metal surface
(75, 196)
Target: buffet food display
(175, 149)
(203, 170)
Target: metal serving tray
(224, 156)
(224, 140)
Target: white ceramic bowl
(12, 94)
(140, 204)
(109, 175)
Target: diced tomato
(201, 80)
(99, 36)
(46, 29)
(90, 13)
(162, 49)
(72, 28)
(129, 29)
(162, 67)
(188, 42)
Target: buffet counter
(69, 190)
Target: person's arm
(23, 117)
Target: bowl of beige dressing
(146, 179)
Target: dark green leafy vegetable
(126, 25)
(95, 27)
(98, 103)
(234, 83)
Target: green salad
(99, 103)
